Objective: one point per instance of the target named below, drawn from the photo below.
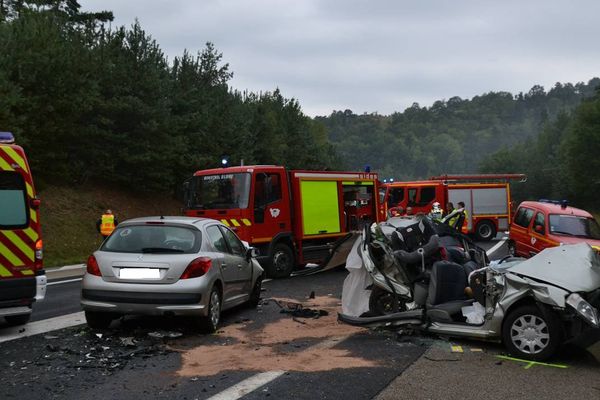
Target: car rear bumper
(182, 298)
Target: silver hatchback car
(170, 266)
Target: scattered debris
(165, 334)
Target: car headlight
(584, 309)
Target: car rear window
(153, 239)
(13, 213)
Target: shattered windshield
(572, 225)
(222, 191)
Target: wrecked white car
(418, 274)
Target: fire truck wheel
(14, 320)
(281, 263)
(485, 231)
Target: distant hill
(451, 136)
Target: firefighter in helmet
(436, 212)
(106, 224)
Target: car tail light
(92, 266)
(197, 268)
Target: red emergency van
(22, 277)
(538, 225)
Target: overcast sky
(378, 56)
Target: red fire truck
(292, 217)
(22, 278)
(486, 197)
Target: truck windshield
(223, 191)
(13, 212)
(572, 225)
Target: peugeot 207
(170, 266)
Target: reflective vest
(454, 219)
(107, 224)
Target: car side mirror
(539, 229)
(251, 252)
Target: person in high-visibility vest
(452, 218)
(106, 224)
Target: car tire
(281, 264)
(531, 334)
(512, 249)
(485, 231)
(254, 299)
(98, 320)
(210, 323)
(15, 320)
(381, 302)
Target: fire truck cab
(22, 278)
(292, 217)
(486, 197)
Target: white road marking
(246, 386)
(43, 326)
(267, 280)
(67, 281)
(496, 246)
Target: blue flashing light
(7, 137)
(391, 179)
(385, 181)
(367, 168)
(224, 161)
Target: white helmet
(436, 204)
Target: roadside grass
(69, 215)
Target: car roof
(195, 221)
(550, 208)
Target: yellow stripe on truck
(33, 215)
(224, 221)
(16, 158)
(14, 260)
(31, 233)
(235, 222)
(29, 189)
(27, 272)
(246, 222)
(21, 245)
(4, 273)
(4, 166)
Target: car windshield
(153, 239)
(13, 213)
(572, 225)
(224, 191)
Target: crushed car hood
(575, 268)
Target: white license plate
(139, 273)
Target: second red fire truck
(486, 197)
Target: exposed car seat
(446, 294)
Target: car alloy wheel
(215, 309)
(532, 331)
(530, 334)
